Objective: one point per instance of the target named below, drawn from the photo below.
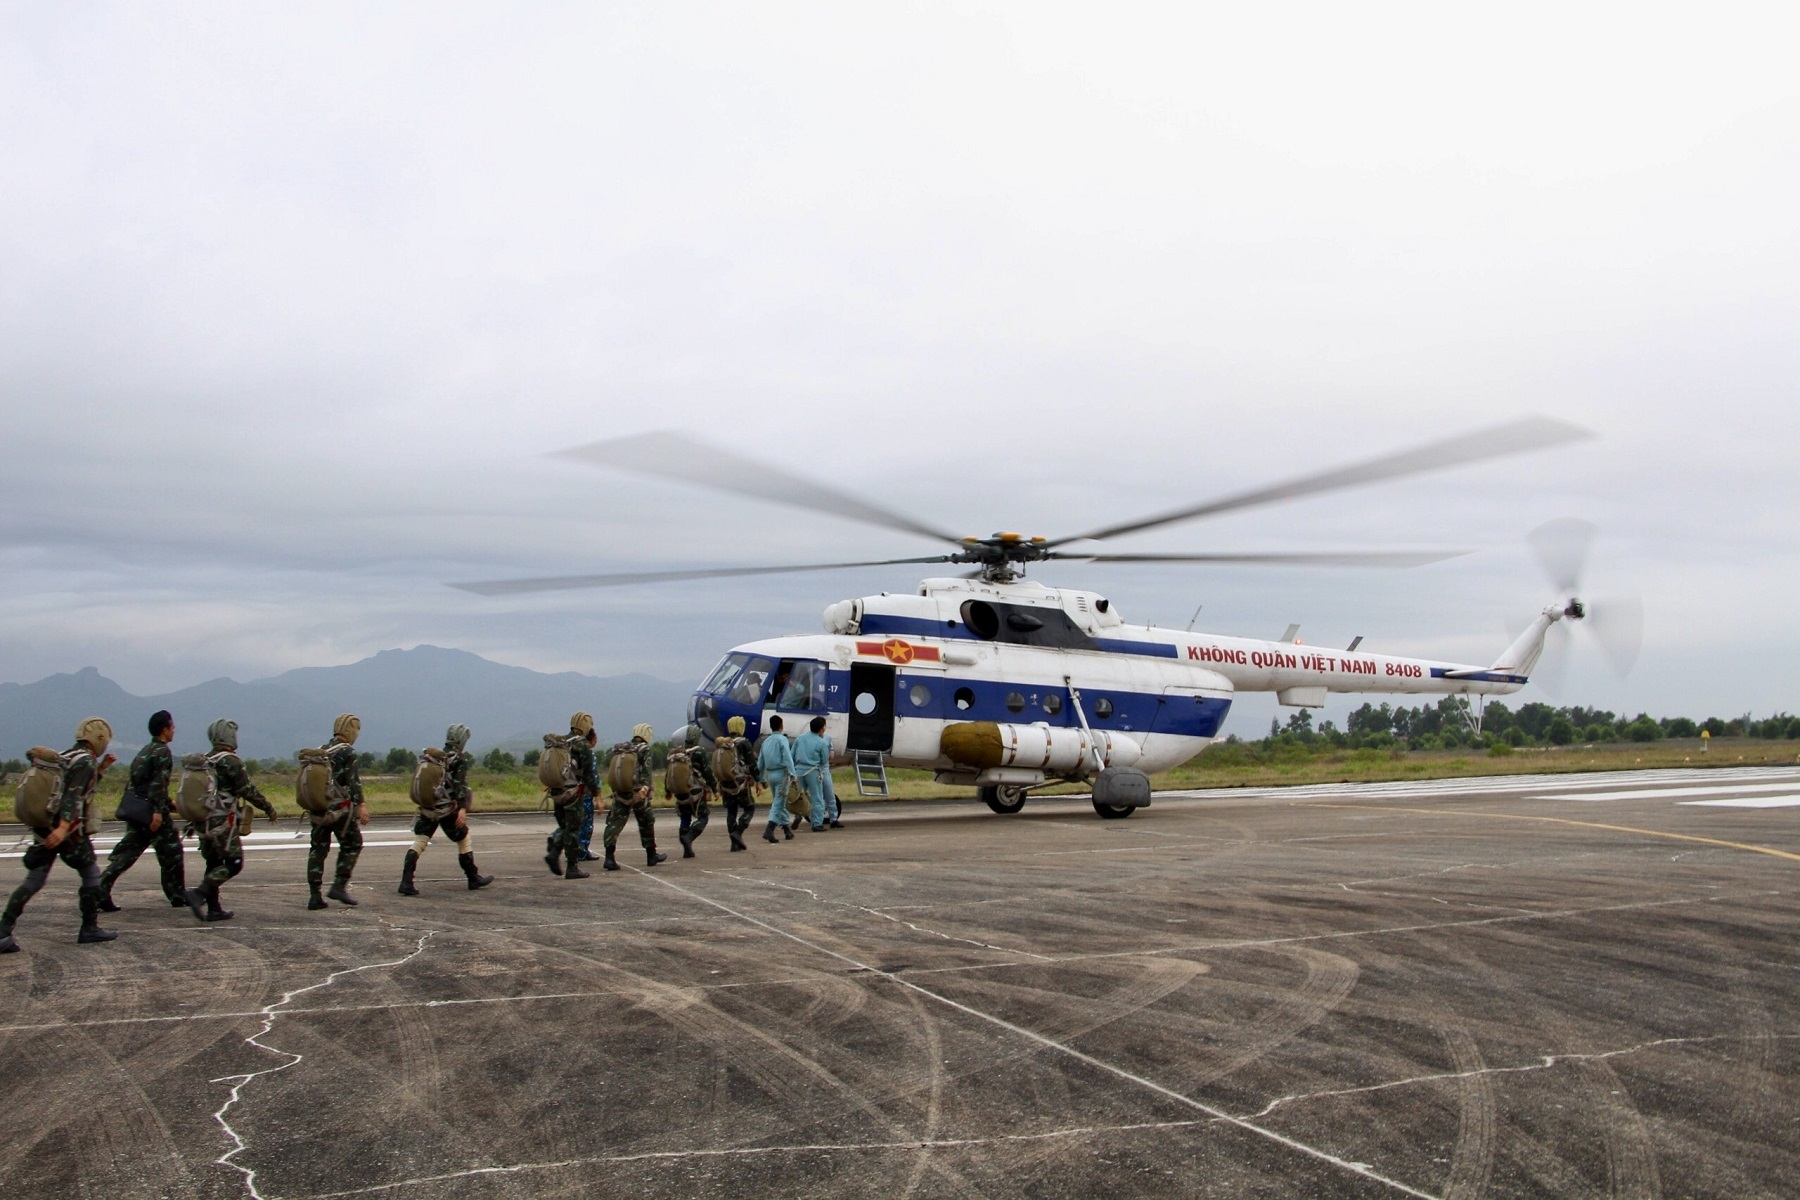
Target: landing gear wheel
(1114, 812)
(1005, 798)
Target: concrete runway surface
(1545, 986)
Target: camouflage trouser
(138, 838)
(586, 833)
(428, 827)
(623, 808)
(567, 838)
(740, 808)
(349, 840)
(223, 851)
(75, 850)
(693, 812)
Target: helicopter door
(871, 707)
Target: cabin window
(920, 695)
(1053, 703)
(750, 685)
(1103, 708)
(804, 686)
(964, 698)
(1015, 702)
(865, 702)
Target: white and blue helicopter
(1000, 683)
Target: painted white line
(1752, 802)
(1673, 793)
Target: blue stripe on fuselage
(1478, 676)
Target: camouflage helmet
(223, 733)
(691, 735)
(581, 723)
(456, 737)
(346, 727)
(96, 733)
(643, 733)
(735, 727)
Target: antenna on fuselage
(1195, 617)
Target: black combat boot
(90, 911)
(553, 860)
(572, 871)
(787, 831)
(340, 891)
(195, 899)
(687, 845)
(406, 874)
(314, 904)
(7, 945)
(651, 857)
(476, 879)
(213, 911)
(737, 840)
(106, 900)
(769, 832)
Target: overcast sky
(294, 299)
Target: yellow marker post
(1705, 740)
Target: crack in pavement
(1545, 1063)
(269, 1013)
(876, 912)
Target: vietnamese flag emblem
(900, 651)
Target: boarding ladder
(871, 773)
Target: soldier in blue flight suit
(812, 763)
(776, 763)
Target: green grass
(1241, 765)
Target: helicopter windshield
(724, 673)
(753, 681)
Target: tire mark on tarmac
(1363, 1170)
(1472, 1160)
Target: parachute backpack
(725, 762)
(556, 770)
(40, 792)
(428, 779)
(621, 771)
(678, 780)
(313, 789)
(197, 796)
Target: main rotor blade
(1532, 433)
(561, 583)
(1331, 559)
(687, 459)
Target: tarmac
(1523, 986)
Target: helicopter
(998, 682)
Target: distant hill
(404, 697)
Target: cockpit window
(724, 673)
(804, 689)
(754, 681)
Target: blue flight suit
(831, 804)
(812, 762)
(776, 762)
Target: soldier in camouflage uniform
(150, 779)
(343, 820)
(220, 845)
(566, 841)
(635, 803)
(701, 786)
(447, 811)
(67, 838)
(740, 797)
(585, 834)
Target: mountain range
(404, 697)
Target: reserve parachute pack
(678, 779)
(40, 792)
(725, 762)
(313, 789)
(428, 779)
(621, 770)
(556, 770)
(197, 797)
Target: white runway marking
(1674, 793)
(1493, 784)
(1751, 802)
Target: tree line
(1444, 726)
